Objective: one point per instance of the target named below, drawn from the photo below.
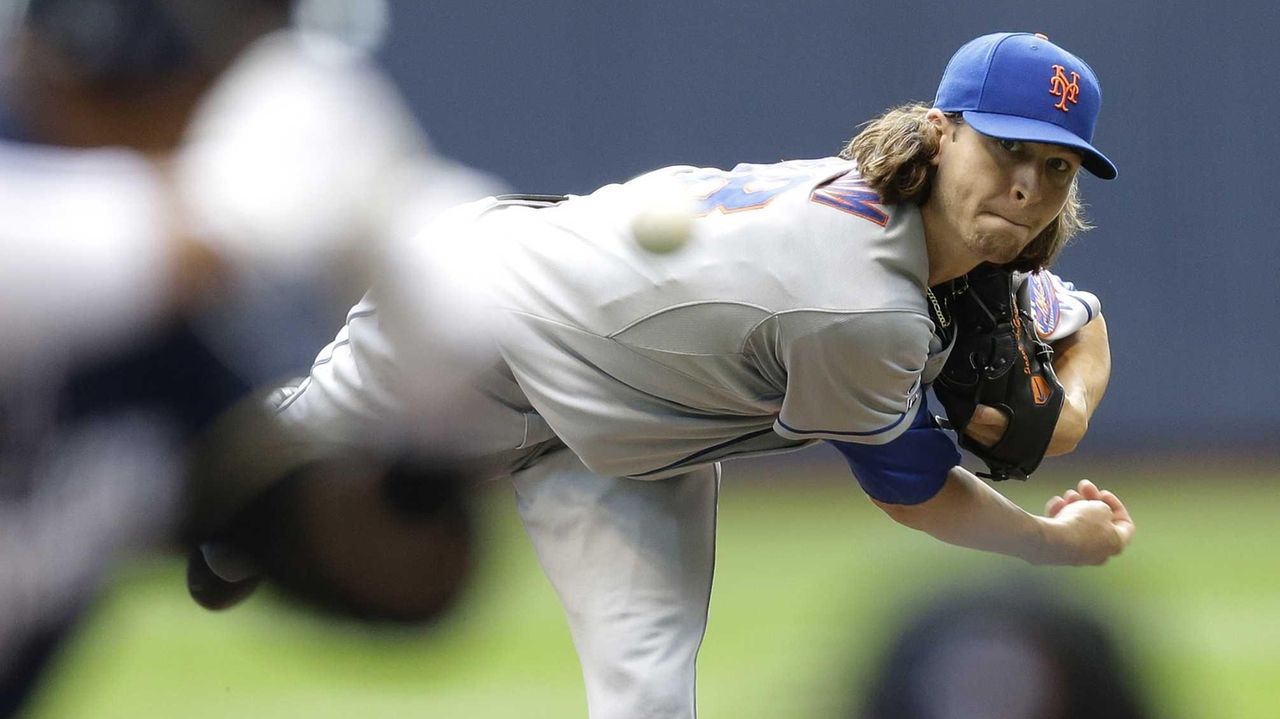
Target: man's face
(998, 195)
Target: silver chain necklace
(956, 286)
(943, 321)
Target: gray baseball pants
(632, 562)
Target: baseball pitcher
(813, 300)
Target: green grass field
(811, 582)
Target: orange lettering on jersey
(1060, 86)
(850, 193)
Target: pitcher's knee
(642, 688)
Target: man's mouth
(1007, 220)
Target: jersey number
(747, 187)
(750, 187)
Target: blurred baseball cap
(1020, 86)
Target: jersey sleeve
(372, 387)
(853, 377)
(355, 389)
(909, 470)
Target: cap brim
(1013, 127)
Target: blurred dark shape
(362, 534)
(113, 43)
(94, 73)
(213, 591)
(29, 661)
(1010, 650)
(394, 549)
(118, 45)
(90, 472)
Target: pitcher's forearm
(1083, 366)
(970, 513)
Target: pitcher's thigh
(632, 562)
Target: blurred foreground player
(147, 286)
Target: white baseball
(664, 221)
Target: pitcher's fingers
(984, 414)
(1088, 489)
(1125, 528)
(1071, 496)
(1053, 506)
(1117, 507)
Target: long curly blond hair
(893, 153)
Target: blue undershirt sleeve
(909, 470)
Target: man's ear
(945, 129)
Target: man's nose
(1027, 184)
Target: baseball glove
(999, 361)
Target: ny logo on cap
(1068, 90)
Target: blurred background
(813, 584)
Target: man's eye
(1011, 145)
(1057, 164)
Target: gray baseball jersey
(795, 312)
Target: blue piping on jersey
(355, 314)
(297, 392)
(873, 432)
(704, 452)
(332, 348)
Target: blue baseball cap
(1020, 86)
